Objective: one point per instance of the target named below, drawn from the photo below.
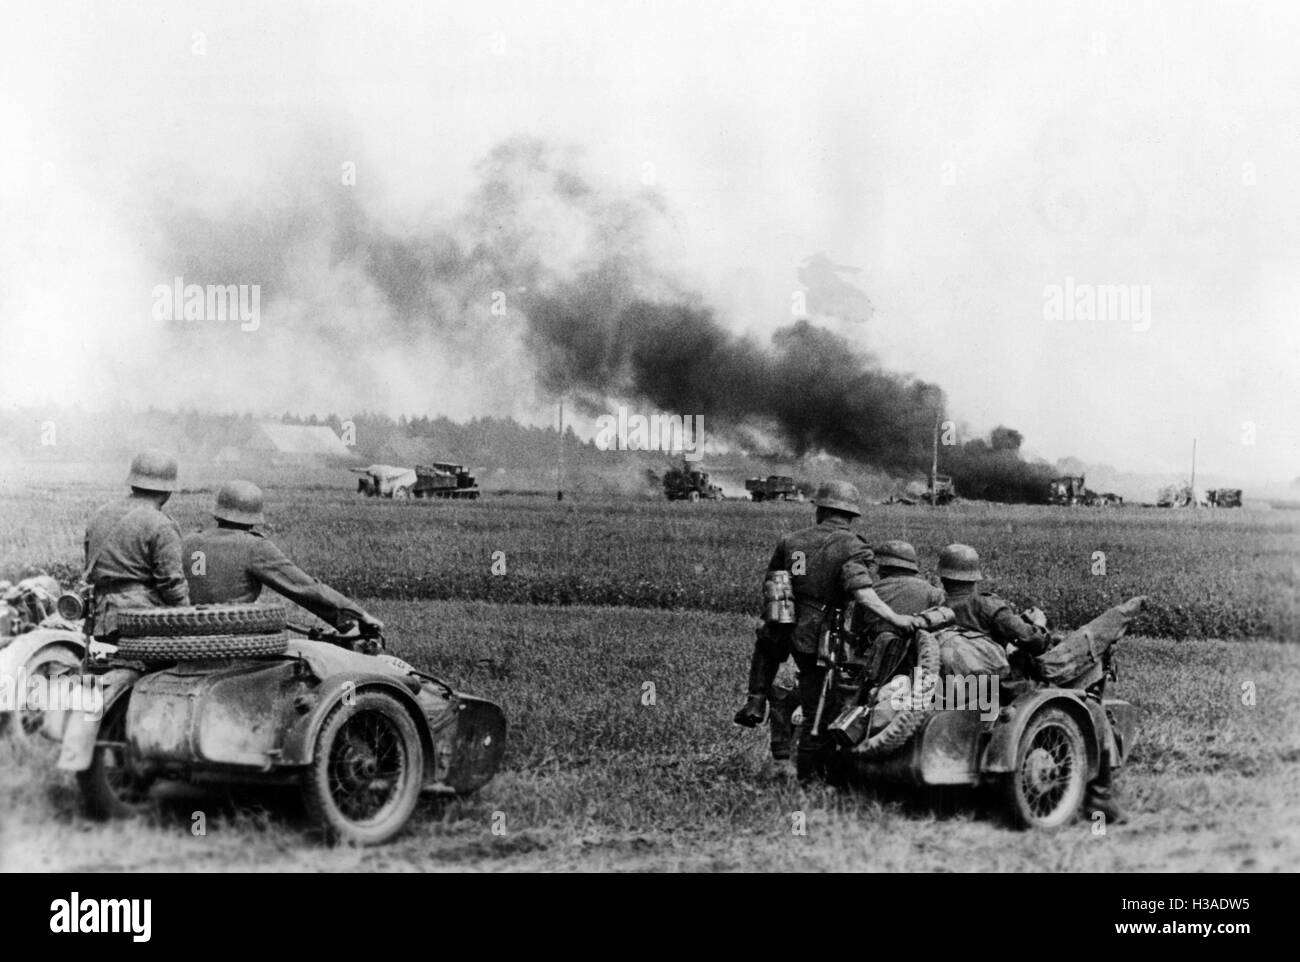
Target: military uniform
(231, 566)
(782, 700)
(906, 594)
(827, 563)
(133, 554)
(986, 612)
(985, 626)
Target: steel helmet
(239, 502)
(153, 470)
(960, 562)
(839, 496)
(897, 554)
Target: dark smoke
(589, 316)
(991, 469)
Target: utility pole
(934, 463)
(559, 461)
(1193, 485)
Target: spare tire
(904, 725)
(200, 620)
(200, 647)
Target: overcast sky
(962, 158)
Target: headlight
(71, 606)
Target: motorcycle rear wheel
(113, 787)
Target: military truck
(1103, 499)
(690, 482)
(1068, 489)
(1224, 498)
(1177, 496)
(775, 487)
(385, 481)
(918, 492)
(444, 479)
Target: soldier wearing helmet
(985, 612)
(132, 549)
(828, 565)
(959, 569)
(898, 580)
(231, 563)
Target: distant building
(276, 442)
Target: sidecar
(1041, 750)
(361, 735)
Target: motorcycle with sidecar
(360, 732)
(1039, 747)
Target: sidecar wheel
(366, 771)
(1046, 789)
(112, 787)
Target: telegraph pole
(934, 463)
(559, 461)
(1194, 504)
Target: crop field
(594, 604)
(1209, 574)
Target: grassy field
(1214, 574)
(625, 594)
(596, 779)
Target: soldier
(898, 580)
(133, 550)
(829, 565)
(230, 564)
(983, 611)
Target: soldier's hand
(1036, 617)
(910, 623)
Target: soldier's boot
(753, 712)
(1099, 797)
(810, 763)
(781, 703)
(763, 667)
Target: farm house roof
(316, 440)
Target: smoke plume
(543, 285)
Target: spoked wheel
(40, 727)
(401, 494)
(1046, 788)
(114, 786)
(365, 777)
